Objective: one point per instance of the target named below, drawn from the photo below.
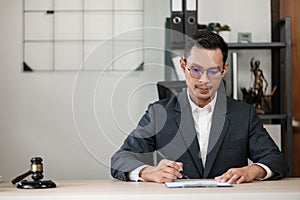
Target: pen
(183, 175)
(164, 157)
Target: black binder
(190, 17)
(177, 23)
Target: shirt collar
(210, 107)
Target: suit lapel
(219, 126)
(185, 123)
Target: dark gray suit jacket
(168, 127)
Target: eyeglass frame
(201, 71)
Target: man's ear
(224, 70)
(182, 63)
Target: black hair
(207, 40)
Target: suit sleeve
(262, 148)
(138, 147)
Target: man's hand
(242, 175)
(165, 171)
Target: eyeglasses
(211, 73)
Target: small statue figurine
(258, 83)
(257, 93)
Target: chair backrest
(167, 89)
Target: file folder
(190, 17)
(177, 21)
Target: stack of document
(196, 183)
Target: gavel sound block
(37, 176)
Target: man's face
(204, 70)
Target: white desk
(286, 189)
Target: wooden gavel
(36, 171)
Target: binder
(190, 17)
(176, 26)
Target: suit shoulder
(238, 105)
(171, 101)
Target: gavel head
(37, 168)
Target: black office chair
(167, 89)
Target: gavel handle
(21, 177)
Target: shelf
(268, 45)
(273, 116)
(255, 45)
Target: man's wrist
(134, 175)
(260, 171)
(267, 171)
(143, 172)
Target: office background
(51, 114)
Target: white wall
(76, 140)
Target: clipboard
(196, 184)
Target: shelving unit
(284, 116)
(285, 84)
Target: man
(200, 133)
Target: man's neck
(200, 102)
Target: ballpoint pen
(164, 157)
(183, 175)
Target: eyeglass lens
(197, 72)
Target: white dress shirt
(202, 118)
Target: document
(195, 183)
(178, 71)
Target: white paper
(179, 72)
(197, 183)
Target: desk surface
(286, 189)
